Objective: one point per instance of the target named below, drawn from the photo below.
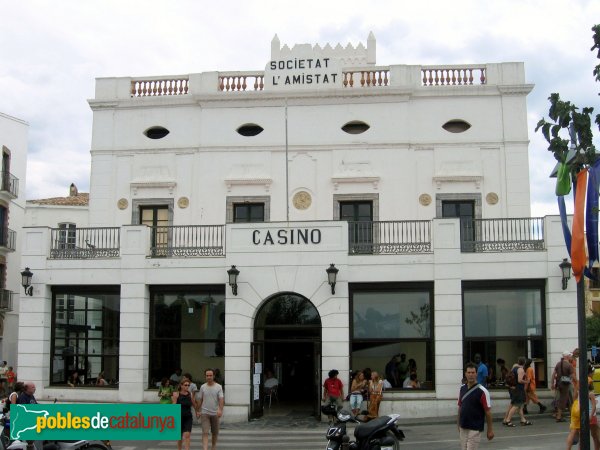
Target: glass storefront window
(85, 334)
(187, 331)
(392, 332)
(503, 321)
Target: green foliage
(592, 325)
(567, 120)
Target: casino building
(322, 213)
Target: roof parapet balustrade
(453, 75)
(502, 235)
(10, 184)
(85, 243)
(185, 241)
(160, 86)
(509, 76)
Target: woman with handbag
(375, 395)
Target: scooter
(61, 445)
(378, 434)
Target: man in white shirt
(270, 381)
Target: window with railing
(66, 235)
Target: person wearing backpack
(518, 397)
(562, 379)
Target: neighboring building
(13, 143)
(66, 213)
(412, 180)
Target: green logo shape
(106, 421)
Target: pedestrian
(503, 369)
(391, 372)
(210, 406)
(333, 389)
(575, 427)
(401, 369)
(27, 396)
(165, 391)
(375, 395)
(482, 370)
(11, 376)
(3, 380)
(530, 390)
(562, 379)
(517, 400)
(193, 386)
(184, 398)
(474, 410)
(356, 392)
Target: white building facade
(411, 180)
(13, 144)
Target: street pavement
(304, 433)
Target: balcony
(84, 243)
(8, 239)
(187, 241)
(389, 237)
(364, 238)
(9, 184)
(502, 235)
(6, 300)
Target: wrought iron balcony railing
(502, 235)
(185, 241)
(9, 183)
(85, 243)
(6, 300)
(8, 238)
(390, 237)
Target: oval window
(250, 129)
(156, 132)
(356, 127)
(456, 126)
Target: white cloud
(51, 52)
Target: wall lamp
(565, 266)
(332, 272)
(26, 276)
(233, 275)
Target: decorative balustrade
(6, 299)
(241, 81)
(160, 87)
(371, 77)
(390, 237)
(85, 243)
(452, 75)
(9, 184)
(8, 238)
(187, 241)
(502, 235)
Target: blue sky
(52, 51)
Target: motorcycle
(61, 445)
(378, 434)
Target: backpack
(511, 379)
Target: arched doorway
(287, 341)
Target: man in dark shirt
(474, 408)
(27, 397)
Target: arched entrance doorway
(287, 341)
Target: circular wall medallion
(122, 203)
(183, 202)
(491, 198)
(425, 199)
(302, 200)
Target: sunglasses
(187, 384)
